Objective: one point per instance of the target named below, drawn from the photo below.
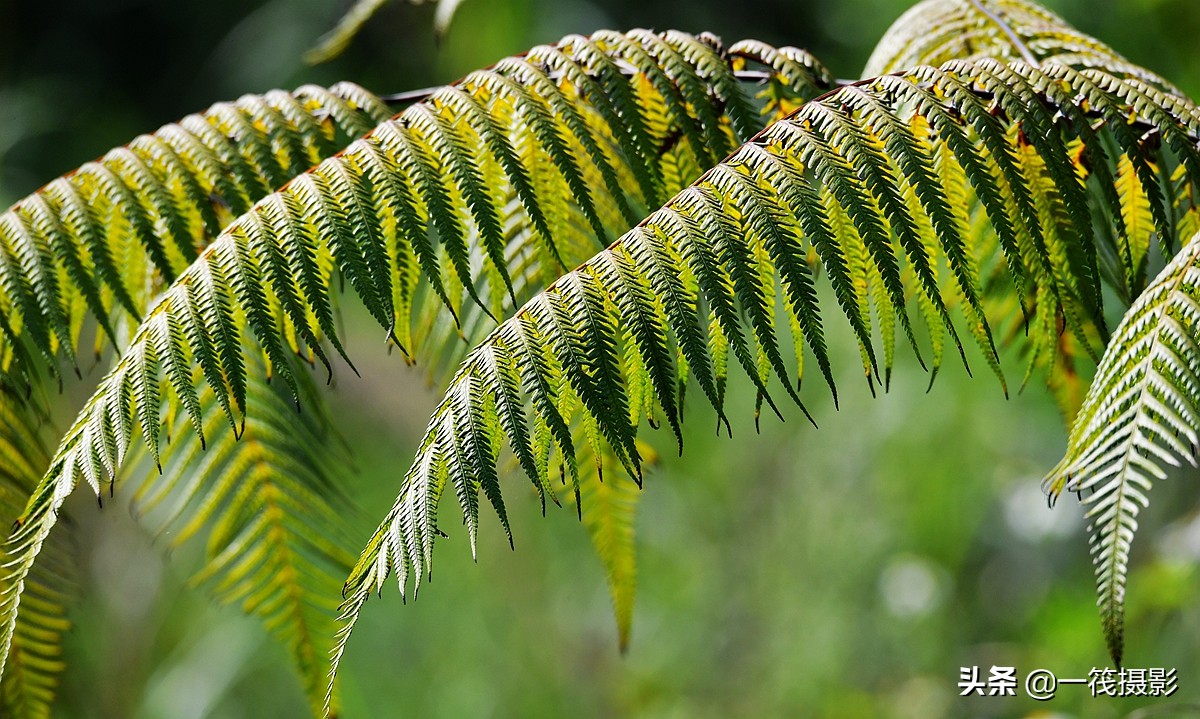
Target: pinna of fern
(562, 108)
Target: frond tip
(1140, 417)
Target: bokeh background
(848, 571)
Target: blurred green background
(848, 571)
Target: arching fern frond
(274, 515)
(934, 32)
(713, 277)
(410, 214)
(1140, 417)
(92, 241)
(100, 242)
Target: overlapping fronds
(99, 243)
(268, 501)
(93, 241)
(35, 659)
(874, 181)
(933, 32)
(936, 31)
(579, 137)
(1141, 416)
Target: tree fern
(606, 113)
(711, 272)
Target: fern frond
(609, 501)
(1140, 417)
(273, 513)
(99, 242)
(92, 241)
(412, 213)
(934, 32)
(35, 659)
(713, 277)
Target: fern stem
(1008, 31)
(411, 97)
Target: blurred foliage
(842, 572)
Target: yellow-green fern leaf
(270, 504)
(35, 660)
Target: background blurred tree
(827, 587)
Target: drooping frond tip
(1140, 417)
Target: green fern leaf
(936, 31)
(1140, 417)
(85, 245)
(140, 215)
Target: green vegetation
(1005, 206)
